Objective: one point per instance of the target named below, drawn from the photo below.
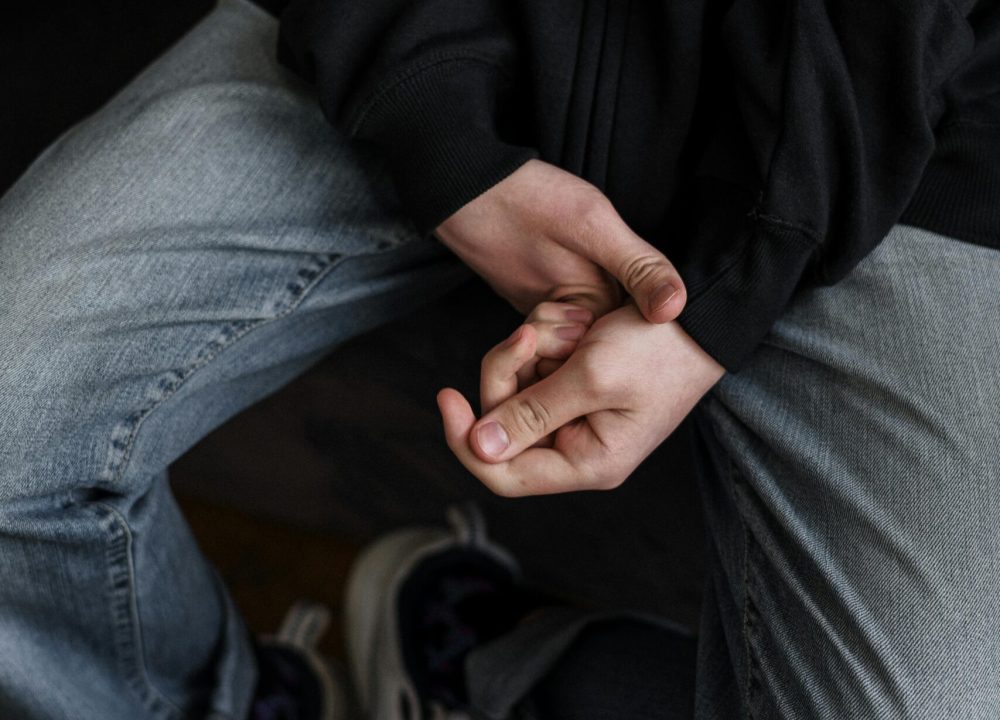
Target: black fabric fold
(821, 124)
(733, 309)
(450, 150)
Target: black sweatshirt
(762, 145)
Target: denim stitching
(128, 638)
(747, 651)
(124, 435)
(125, 614)
(746, 620)
(750, 622)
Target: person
(191, 247)
(823, 177)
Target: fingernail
(570, 332)
(578, 315)
(492, 439)
(661, 296)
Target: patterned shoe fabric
(451, 603)
(294, 682)
(419, 600)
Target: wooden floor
(268, 566)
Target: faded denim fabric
(192, 247)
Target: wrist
(685, 372)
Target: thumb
(646, 273)
(522, 420)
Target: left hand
(543, 233)
(625, 388)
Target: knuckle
(530, 416)
(507, 486)
(638, 270)
(610, 481)
(605, 476)
(599, 380)
(541, 327)
(488, 364)
(500, 489)
(548, 308)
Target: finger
(510, 366)
(582, 456)
(561, 312)
(526, 377)
(498, 378)
(533, 472)
(598, 299)
(538, 471)
(457, 417)
(546, 366)
(557, 340)
(647, 275)
(522, 420)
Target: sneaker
(294, 681)
(418, 601)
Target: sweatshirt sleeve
(426, 83)
(836, 103)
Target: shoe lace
(304, 624)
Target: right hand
(545, 234)
(626, 386)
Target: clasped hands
(589, 385)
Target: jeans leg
(620, 669)
(855, 506)
(586, 665)
(183, 253)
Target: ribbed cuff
(730, 313)
(959, 193)
(437, 128)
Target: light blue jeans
(185, 252)
(206, 237)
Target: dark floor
(328, 459)
(268, 565)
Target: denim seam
(746, 624)
(750, 623)
(125, 614)
(172, 381)
(125, 610)
(748, 655)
